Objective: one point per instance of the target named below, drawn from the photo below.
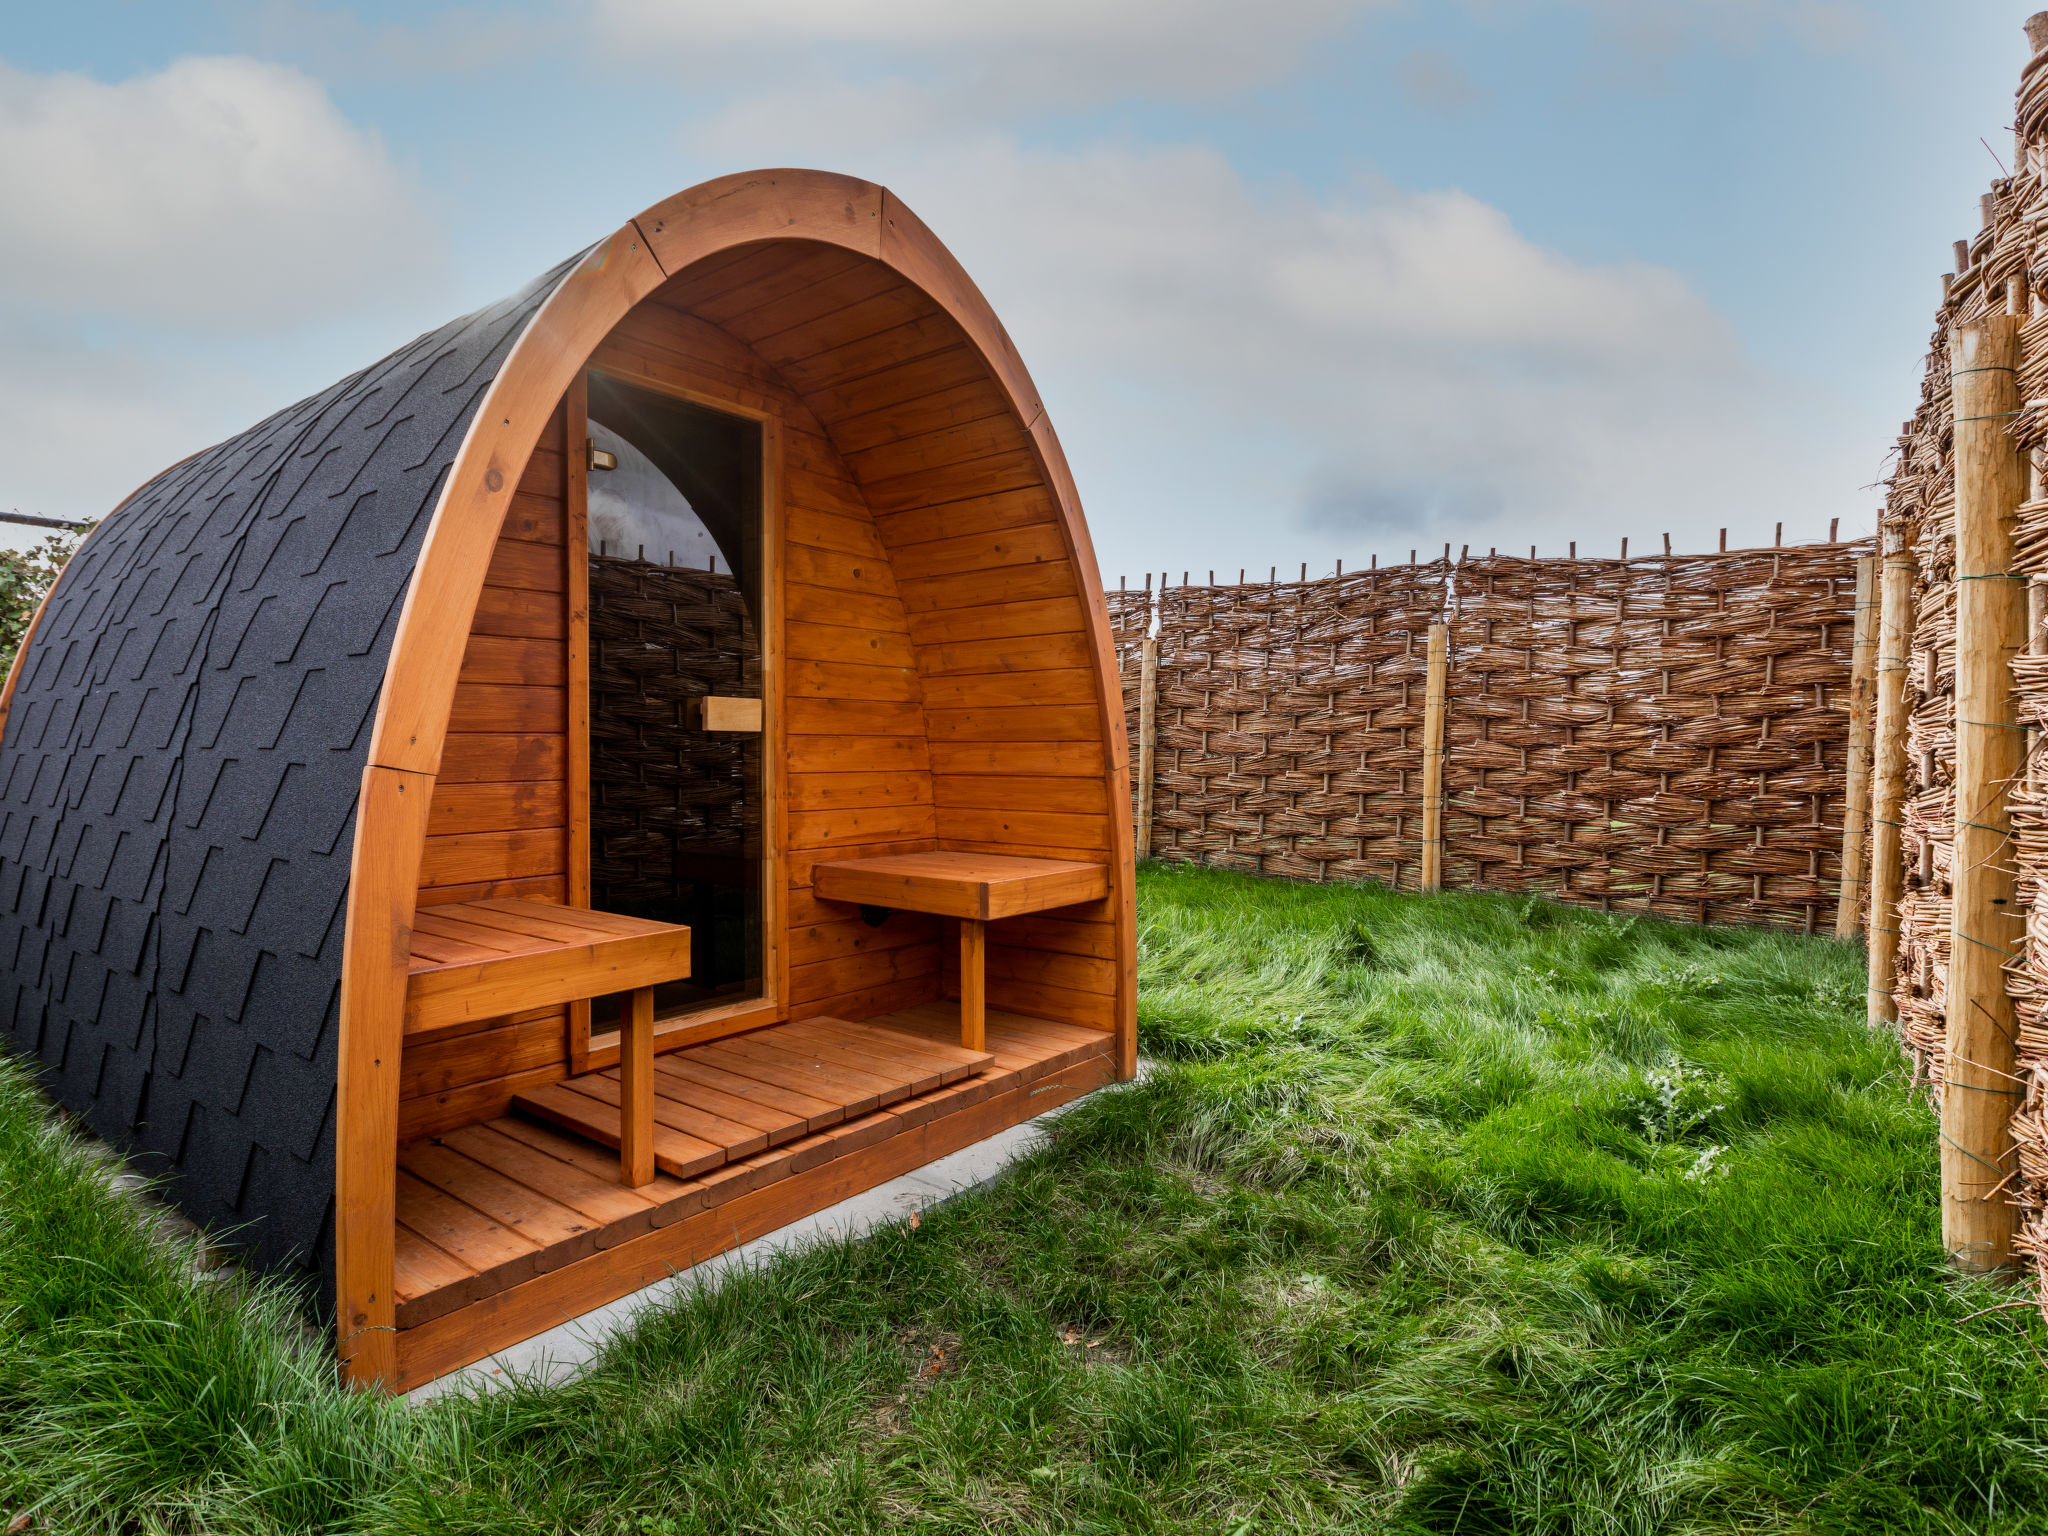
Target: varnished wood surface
(764, 1088)
(511, 1227)
(477, 960)
(970, 885)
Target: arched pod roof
(178, 779)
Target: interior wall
(931, 450)
(857, 768)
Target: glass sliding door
(677, 756)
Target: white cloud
(1245, 377)
(219, 191)
(426, 45)
(82, 426)
(1634, 41)
(1027, 52)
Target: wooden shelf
(980, 886)
(977, 888)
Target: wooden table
(977, 888)
(474, 960)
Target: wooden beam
(1433, 758)
(1856, 788)
(1978, 1091)
(391, 823)
(1148, 705)
(1899, 596)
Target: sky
(1300, 281)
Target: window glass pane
(676, 810)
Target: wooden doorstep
(591, 1240)
(830, 1064)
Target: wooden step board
(728, 1099)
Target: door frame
(585, 1052)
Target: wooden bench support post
(636, 1090)
(973, 983)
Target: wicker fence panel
(1289, 724)
(1665, 735)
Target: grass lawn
(1438, 1214)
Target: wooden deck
(512, 1226)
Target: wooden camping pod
(937, 684)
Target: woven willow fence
(2001, 279)
(1667, 734)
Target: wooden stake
(1978, 1089)
(636, 1089)
(1433, 758)
(1862, 699)
(1888, 779)
(1148, 706)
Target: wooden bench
(476, 960)
(977, 888)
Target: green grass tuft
(1460, 1213)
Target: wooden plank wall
(497, 824)
(858, 776)
(993, 603)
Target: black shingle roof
(178, 783)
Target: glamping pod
(631, 768)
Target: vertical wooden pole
(1148, 711)
(1900, 584)
(636, 1090)
(1862, 704)
(1977, 1096)
(1433, 757)
(576, 741)
(973, 984)
(2037, 638)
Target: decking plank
(694, 1065)
(675, 1151)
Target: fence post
(1888, 778)
(1148, 696)
(1433, 758)
(1978, 1087)
(1856, 786)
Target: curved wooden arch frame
(433, 630)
